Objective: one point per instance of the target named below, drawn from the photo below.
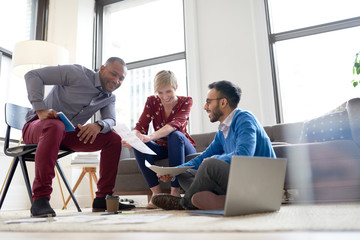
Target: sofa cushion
(284, 132)
(330, 127)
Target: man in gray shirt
(79, 93)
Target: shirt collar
(98, 84)
(225, 125)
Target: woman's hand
(143, 138)
(165, 178)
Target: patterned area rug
(320, 217)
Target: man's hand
(165, 178)
(88, 132)
(123, 142)
(46, 114)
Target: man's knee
(53, 127)
(210, 163)
(113, 138)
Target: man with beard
(239, 133)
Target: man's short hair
(115, 59)
(227, 90)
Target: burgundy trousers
(50, 134)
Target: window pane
(315, 73)
(137, 30)
(13, 89)
(138, 85)
(288, 15)
(16, 27)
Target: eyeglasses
(208, 100)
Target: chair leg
(26, 178)
(7, 175)
(8, 181)
(67, 185)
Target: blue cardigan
(246, 137)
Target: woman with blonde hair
(169, 114)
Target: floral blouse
(154, 111)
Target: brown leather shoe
(207, 200)
(150, 205)
(167, 201)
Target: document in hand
(132, 139)
(69, 127)
(172, 171)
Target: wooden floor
(182, 236)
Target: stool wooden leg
(91, 187)
(92, 176)
(95, 177)
(75, 187)
(61, 191)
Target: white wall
(231, 45)
(71, 25)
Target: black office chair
(15, 118)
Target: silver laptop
(255, 185)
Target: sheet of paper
(172, 171)
(123, 218)
(135, 218)
(132, 139)
(29, 220)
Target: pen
(110, 213)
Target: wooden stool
(92, 175)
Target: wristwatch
(101, 124)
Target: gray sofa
(322, 170)
(319, 169)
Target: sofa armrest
(353, 109)
(285, 132)
(191, 156)
(203, 140)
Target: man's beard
(217, 113)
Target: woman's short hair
(164, 78)
(228, 90)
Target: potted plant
(356, 70)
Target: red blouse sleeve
(146, 117)
(181, 114)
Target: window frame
(98, 40)
(293, 34)
(40, 24)
(98, 51)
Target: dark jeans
(212, 175)
(178, 147)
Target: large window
(149, 36)
(314, 45)
(14, 28)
